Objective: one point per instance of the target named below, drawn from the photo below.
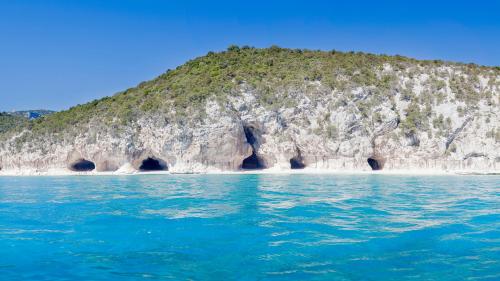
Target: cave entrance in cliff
(297, 163)
(252, 162)
(153, 164)
(375, 164)
(82, 165)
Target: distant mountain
(31, 114)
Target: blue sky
(55, 54)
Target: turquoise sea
(250, 227)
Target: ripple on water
(250, 227)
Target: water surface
(250, 227)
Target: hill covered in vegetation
(218, 74)
(9, 122)
(337, 100)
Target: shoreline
(271, 171)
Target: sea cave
(153, 164)
(82, 165)
(297, 163)
(375, 164)
(252, 162)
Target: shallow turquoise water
(250, 227)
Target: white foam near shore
(65, 172)
(359, 172)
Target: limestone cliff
(250, 108)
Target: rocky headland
(275, 108)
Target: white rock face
(324, 129)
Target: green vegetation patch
(9, 122)
(180, 94)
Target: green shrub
(415, 119)
(332, 132)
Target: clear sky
(59, 53)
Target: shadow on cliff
(252, 162)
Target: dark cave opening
(374, 164)
(82, 165)
(153, 164)
(296, 163)
(252, 162)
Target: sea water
(250, 227)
